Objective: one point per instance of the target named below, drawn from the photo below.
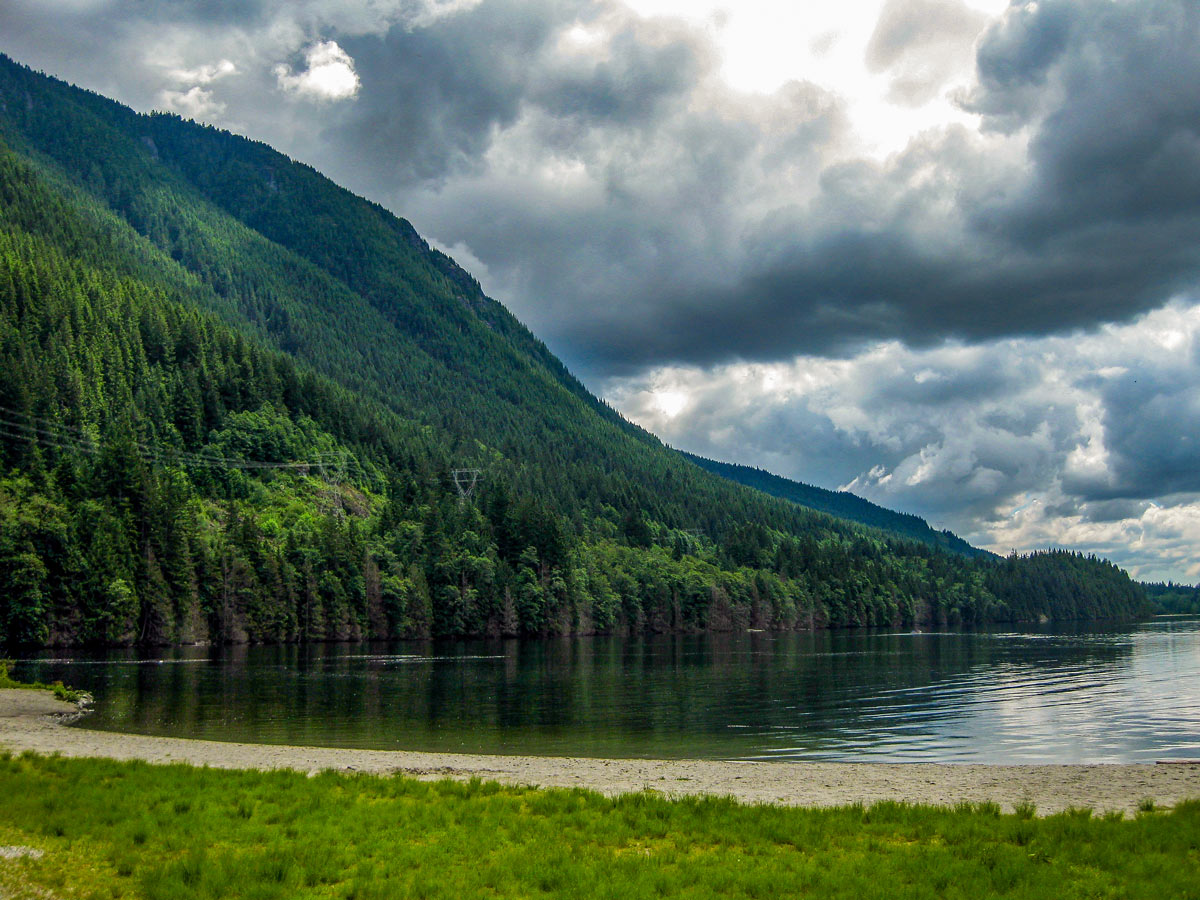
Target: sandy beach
(36, 721)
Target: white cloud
(432, 10)
(204, 74)
(462, 255)
(765, 44)
(194, 103)
(1018, 444)
(1155, 541)
(194, 99)
(329, 74)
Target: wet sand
(36, 721)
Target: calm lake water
(1078, 694)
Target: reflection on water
(1066, 695)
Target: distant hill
(838, 503)
(240, 403)
(1177, 599)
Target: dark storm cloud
(1016, 58)
(635, 212)
(957, 236)
(1120, 151)
(1152, 429)
(1106, 223)
(1106, 510)
(1103, 222)
(434, 96)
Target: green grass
(61, 691)
(112, 829)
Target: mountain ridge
(842, 504)
(172, 294)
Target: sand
(36, 721)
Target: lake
(1070, 694)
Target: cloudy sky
(943, 253)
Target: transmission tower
(465, 481)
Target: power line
(66, 437)
(70, 433)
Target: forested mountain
(239, 403)
(837, 503)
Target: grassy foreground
(110, 829)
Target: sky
(942, 253)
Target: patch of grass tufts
(113, 829)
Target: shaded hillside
(234, 398)
(837, 503)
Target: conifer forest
(240, 404)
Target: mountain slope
(837, 503)
(234, 396)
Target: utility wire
(66, 437)
(57, 430)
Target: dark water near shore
(1075, 694)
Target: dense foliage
(120, 829)
(234, 397)
(1177, 599)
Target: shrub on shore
(61, 691)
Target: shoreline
(35, 721)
